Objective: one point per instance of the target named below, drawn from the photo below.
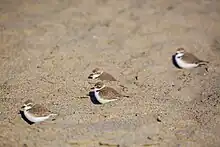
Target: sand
(48, 48)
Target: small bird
(104, 94)
(100, 74)
(183, 59)
(35, 113)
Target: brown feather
(109, 93)
(28, 101)
(95, 70)
(39, 110)
(106, 76)
(190, 58)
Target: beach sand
(48, 48)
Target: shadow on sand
(25, 119)
(93, 98)
(174, 62)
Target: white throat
(95, 76)
(178, 55)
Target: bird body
(100, 74)
(103, 97)
(36, 113)
(104, 94)
(106, 76)
(35, 119)
(187, 60)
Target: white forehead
(95, 76)
(180, 50)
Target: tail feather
(203, 62)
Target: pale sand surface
(48, 48)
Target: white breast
(33, 118)
(183, 64)
(101, 100)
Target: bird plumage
(187, 60)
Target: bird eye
(97, 86)
(30, 105)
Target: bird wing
(39, 110)
(106, 76)
(109, 93)
(190, 58)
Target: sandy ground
(48, 48)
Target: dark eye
(30, 105)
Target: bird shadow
(25, 119)
(174, 62)
(93, 98)
(89, 77)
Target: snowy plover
(100, 74)
(104, 94)
(183, 59)
(35, 113)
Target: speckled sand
(49, 47)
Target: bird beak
(22, 109)
(90, 76)
(92, 88)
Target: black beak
(90, 76)
(92, 88)
(23, 107)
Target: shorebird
(97, 73)
(35, 113)
(186, 60)
(104, 94)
